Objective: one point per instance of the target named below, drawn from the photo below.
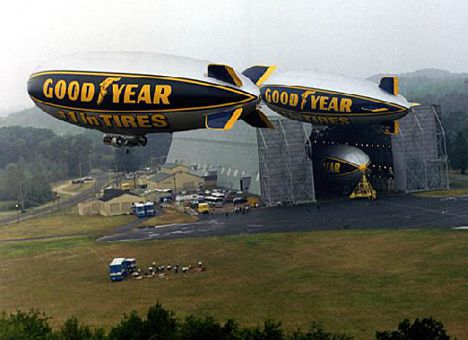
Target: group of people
(240, 210)
(164, 270)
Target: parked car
(230, 197)
(239, 200)
(203, 208)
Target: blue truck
(139, 210)
(149, 209)
(142, 210)
(120, 267)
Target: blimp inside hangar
(281, 164)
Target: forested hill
(34, 117)
(433, 86)
(32, 159)
(439, 87)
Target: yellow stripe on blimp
(265, 75)
(230, 123)
(233, 75)
(382, 109)
(396, 85)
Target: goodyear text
(331, 167)
(308, 100)
(128, 93)
(115, 92)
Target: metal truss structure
(286, 174)
(420, 152)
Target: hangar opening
(414, 159)
(341, 155)
(280, 164)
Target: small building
(88, 208)
(172, 168)
(178, 181)
(209, 176)
(211, 179)
(112, 203)
(154, 195)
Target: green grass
(62, 223)
(7, 213)
(78, 187)
(352, 281)
(7, 205)
(12, 250)
(67, 222)
(458, 187)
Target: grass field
(352, 281)
(67, 222)
(78, 187)
(62, 223)
(65, 188)
(458, 187)
(7, 206)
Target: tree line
(160, 323)
(32, 159)
(450, 92)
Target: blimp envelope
(136, 93)
(341, 162)
(325, 99)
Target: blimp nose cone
(35, 88)
(31, 88)
(363, 168)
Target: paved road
(403, 211)
(101, 180)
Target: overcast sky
(348, 37)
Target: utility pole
(17, 213)
(115, 163)
(21, 197)
(89, 162)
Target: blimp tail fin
(224, 73)
(258, 74)
(390, 85)
(259, 120)
(222, 120)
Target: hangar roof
(160, 176)
(169, 165)
(113, 193)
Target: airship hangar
(278, 164)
